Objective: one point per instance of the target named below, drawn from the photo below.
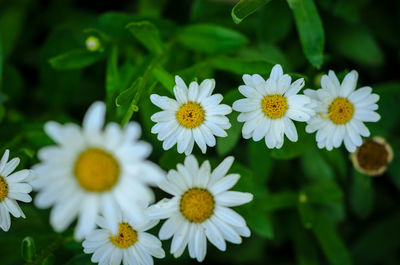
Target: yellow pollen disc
(197, 205)
(3, 189)
(126, 236)
(190, 115)
(340, 111)
(96, 170)
(274, 106)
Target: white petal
(94, 118)
(214, 235)
(233, 198)
(10, 167)
(221, 170)
(276, 72)
(225, 183)
(229, 216)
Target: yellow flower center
(3, 189)
(126, 236)
(340, 111)
(96, 170)
(197, 205)
(274, 106)
(190, 115)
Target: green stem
(133, 106)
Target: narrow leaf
(28, 249)
(241, 66)
(148, 35)
(127, 96)
(330, 242)
(165, 78)
(211, 38)
(112, 76)
(246, 7)
(362, 195)
(311, 32)
(75, 59)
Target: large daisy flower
(122, 241)
(195, 116)
(341, 111)
(199, 209)
(91, 171)
(270, 106)
(13, 188)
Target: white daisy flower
(195, 116)
(199, 208)
(13, 188)
(270, 106)
(91, 171)
(123, 242)
(341, 111)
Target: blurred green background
(310, 206)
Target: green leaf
(127, 96)
(28, 249)
(347, 43)
(241, 66)
(75, 59)
(148, 35)
(1, 63)
(226, 144)
(165, 78)
(307, 214)
(310, 30)
(209, 38)
(112, 76)
(11, 23)
(246, 7)
(361, 194)
(331, 243)
(280, 200)
(315, 167)
(260, 160)
(323, 192)
(170, 159)
(259, 222)
(290, 150)
(377, 240)
(306, 254)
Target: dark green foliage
(310, 206)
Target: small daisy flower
(195, 116)
(124, 242)
(13, 188)
(372, 157)
(341, 112)
(199, 209)
(91, 171)
(271, 106)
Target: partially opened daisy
(13, 188)
(271, 106)
(91, 171)
(195, 116)
(199, 209)
(341, 112)
(121, 241)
